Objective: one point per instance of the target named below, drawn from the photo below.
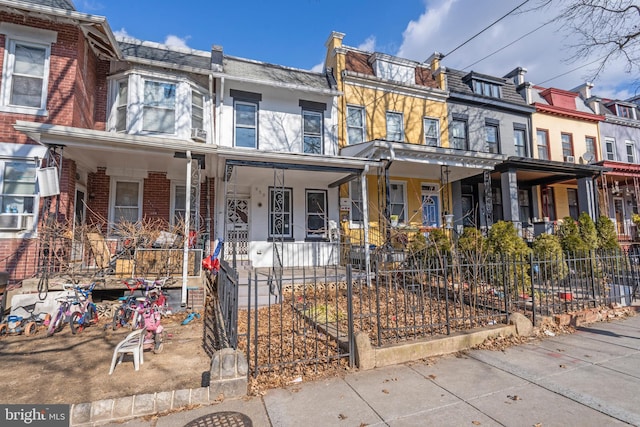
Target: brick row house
(283, 164)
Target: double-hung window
(197, 110)
(431, 132)
(159, 107)
(316, 219)
(590, 144)
(312, 132)
(280, 212)
(397, 201)
(246, 124)
(542, 138)
(631, 155)
(122, 99)
(492, 137)
(395, 126)
(18, 196)
(520, 140)
(572, 201)
(25, 71)
(567, 145)
(355, 193)
(126, 200)
(459, 134)
(355, 125)
(610, 148)
(179, 203)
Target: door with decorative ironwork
(237, 238)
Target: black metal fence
(308, 321)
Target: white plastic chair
(133, 344)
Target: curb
(123, 408)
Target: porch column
(509, 187)
(456, 197)
(365, 223)
(187, 225)
(587, 197)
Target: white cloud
(121, 33)
(175, 41)
(446, 24)
(318, 68)
(369, 45)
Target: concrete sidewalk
(589, 378)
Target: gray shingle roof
(273, 74)
(57, 4)
(233, 67)
(173, 58)
(457, 85)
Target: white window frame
(425, 126)
(289, 213)
(356, 189)
(520, 147)
(174, 186)
(404, 215)
(610, 155)
(112, 197)
(464, 139)
(362, 129)
(40, 38)
(236, 125)
(545, 147)
(175, 85)
(306, 134)
(118, 105)
(625, 111)
(26, 221)
(390, 114)
(631, 156)
(496, 143)
(195, 109)
(324, 231)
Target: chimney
(437, 71)
(528, 95)
(216, 57)
(517, 74)
(584, 90)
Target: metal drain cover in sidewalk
(221, 419)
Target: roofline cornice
(551, 109)
(501, 104)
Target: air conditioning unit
(198, 134)
(570, 159)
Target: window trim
(172, 199)
(608, 153)
(629, 143)
(195, 92)
(235, 124)
(405, 211)
(571, 148)
(518, 127)
(143, 105)
(573, 191)
(465, 123)
(23, 217)
(389, 114)
(112, 197)
(325, 230)
(270, 234)
(546, 147)
(355, 223)
(363, 129)
(494, 124)
(424, 130)
(595, 146)
(313, 112)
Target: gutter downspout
(187, 225)
(387, 184)
(365, 223)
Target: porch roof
(531, 172)
(413, 160)
(620, 169)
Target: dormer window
(393, 68)
(484, 85)
(625, 111)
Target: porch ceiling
(421, 161)
(260, 177)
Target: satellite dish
(588, 157)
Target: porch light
(448, 221)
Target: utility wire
(507, 45)
(488, 26)
(571, 71)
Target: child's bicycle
(85, 313)
(23, 325)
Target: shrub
(587, 231)
(504, 240)
(549, 258)
(607, 238)
(472, 243)
(570, 236)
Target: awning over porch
(412, 160)
(532, 172)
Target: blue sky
(293, 33)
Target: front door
(237, 227)
(430, 210)
(618, 206)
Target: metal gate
(237, 238)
